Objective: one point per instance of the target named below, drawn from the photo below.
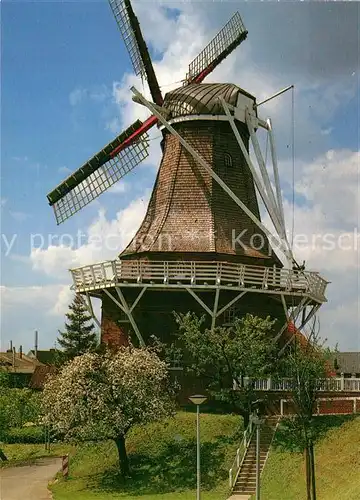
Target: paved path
(28, 482)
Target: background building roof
(46, 357)
(20, 364)
(347, 362)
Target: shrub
(25, 435)
(19, 406)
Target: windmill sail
(98, 174)
(131, 147)
(134, 41)
(122, 19)
(232, 34)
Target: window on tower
(228, 160)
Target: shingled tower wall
(190, 217)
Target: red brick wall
(338, 405)
(113, 333)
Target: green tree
(4, 380)
(230, 358)
(305, 365)
(101, 396)
(79, 336)
(19, 406)
(4, 414)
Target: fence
(331, 384)
(111, 273)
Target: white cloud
(118, 187)
(43, 307)
(330, 186)
(76, 96)
(315, 102)
(326, 232)
(20, 258)
(64, 170)
(334, 175)
(340, 324)
(95, 93)
(329, 220)
(19, 216)
(114, 126)
(104, 239)
(14, 298)
(55, 260)
(99, 93)
(327, 131)
(62, 301)
(20, 158)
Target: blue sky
(62, 64)
(50, 49)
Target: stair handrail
(240, 455)
(271, 442)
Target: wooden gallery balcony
(292, 285)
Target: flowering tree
(101, 396)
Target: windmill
(202, 246)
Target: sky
(65, 84)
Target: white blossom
(100, 396)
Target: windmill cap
(203, 98)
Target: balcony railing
(331, 384)
(173, 273)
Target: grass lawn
(20, 454)
(163, 462)
(337, 459)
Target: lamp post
(198, 400)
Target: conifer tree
(79, 336)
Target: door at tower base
(154, 314)
(114, 324)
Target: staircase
(245, 483)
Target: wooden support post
(201, 302)
(229, 304)
(129, 315)
(216, 302)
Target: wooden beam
(207, 309)
(235, 299)
(216, 303)
(130, 316)
(138, 298)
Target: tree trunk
(307, 473)
(312, 462)
(3, 457)
(123, 458)
(246, 417)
